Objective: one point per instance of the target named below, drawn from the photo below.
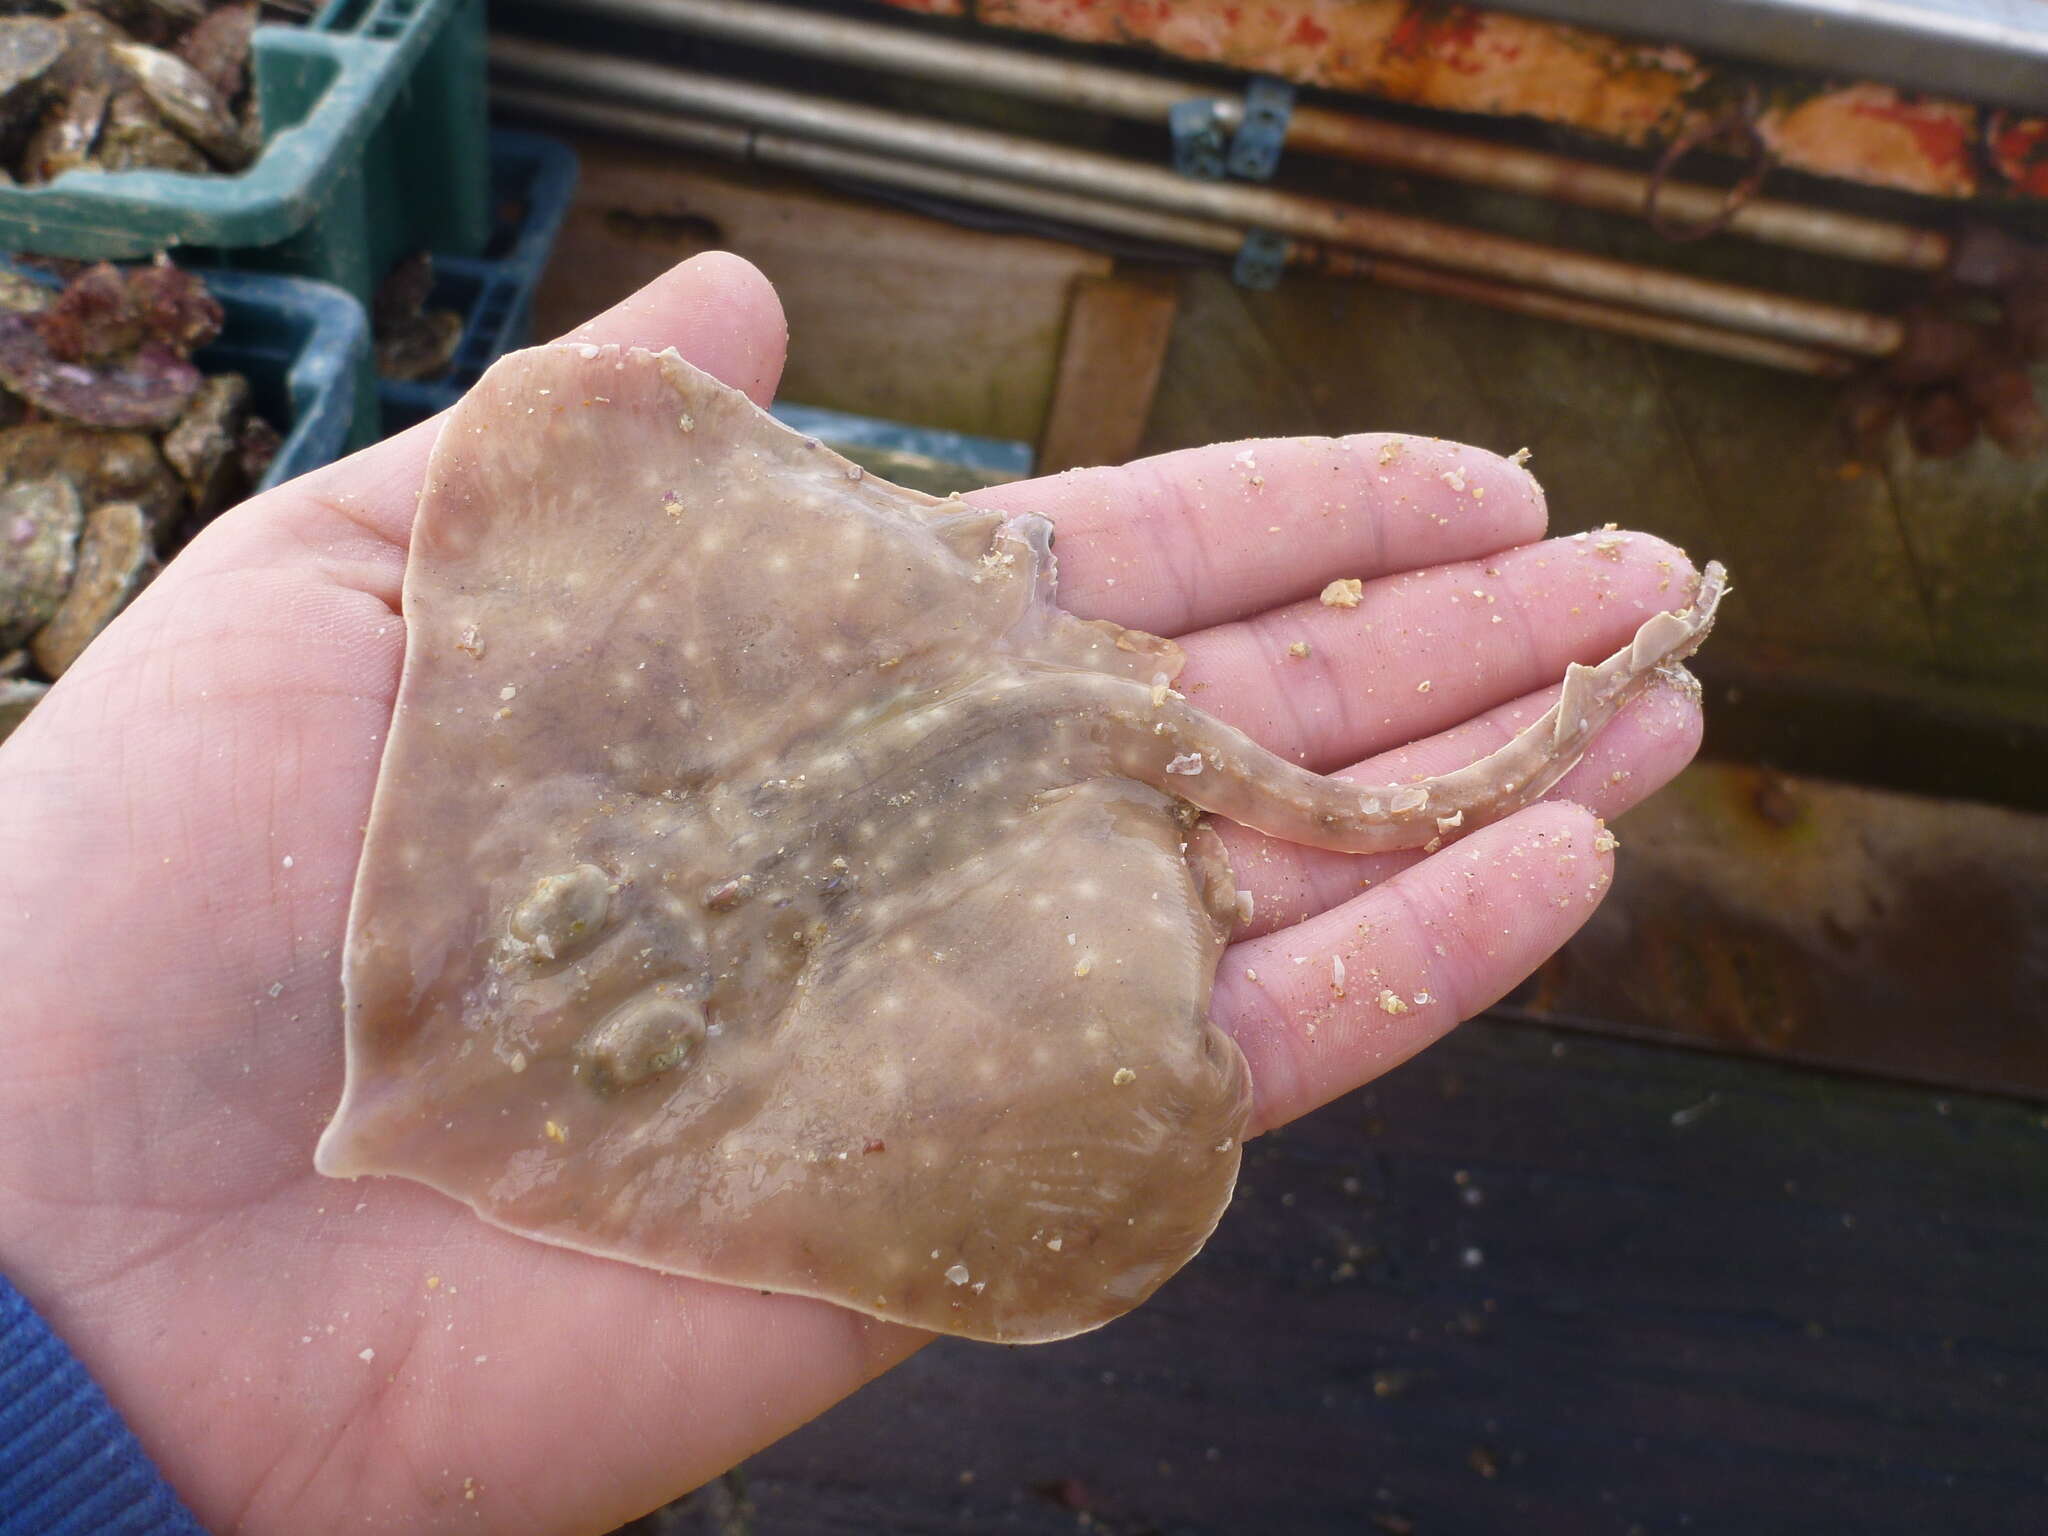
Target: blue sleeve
(68, 1465)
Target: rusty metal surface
(1821, 923)
(1147, 96)
(1636, 89)
(1987, 50)
(1470, 251)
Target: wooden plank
(891, 314)
(1529, 1282)
(1824, 923)
(1110, 361)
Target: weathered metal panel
(1463, 58)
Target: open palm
(179, 828)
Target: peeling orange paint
(2019, 150)
(1876, 135)
(1466, 58)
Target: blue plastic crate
(300, 344)
(532, 179)
(998, 458)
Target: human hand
(180, 823)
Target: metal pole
(806, 155)
(1319, 130)
(1790, 356)
(1324, 220)
(792, 154)
(1613, 189)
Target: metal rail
(1134, 94)
(1424, 242)
(790, 153)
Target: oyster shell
(30, 47)
(115, 557)
(40, 521)
(187, 103)
(101, 466)
(135, 139)
(202, 446)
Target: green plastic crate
(375, 146)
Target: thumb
(716, 309)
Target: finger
(1211, 534)
(1641, 750)
(1427, 649)
(716, 309)
(1435, 944)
